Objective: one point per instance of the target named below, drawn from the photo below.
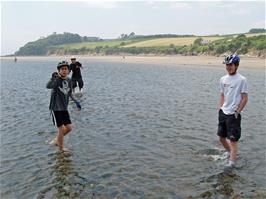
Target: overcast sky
(24, 21)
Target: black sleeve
(52, 83)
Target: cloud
(152, 4)
(107, 4)
(180, 6)
(259, 24)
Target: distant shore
(208, 61)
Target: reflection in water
(221, 184)
(66, 182)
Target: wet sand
(201, 61)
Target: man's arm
(243, 102)
(76, 101)
(80, 65)
(221, 102)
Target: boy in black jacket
(61, 91)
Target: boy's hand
(78, 105)
(236, 114)
(54, 75)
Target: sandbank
(178, 60)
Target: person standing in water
(61, 91)
(233, 99)
(75, 67)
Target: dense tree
(40, 46)
(257, 30)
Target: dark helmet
(235, 59)
(61, 64)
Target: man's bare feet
(65, 150)
(54, 142)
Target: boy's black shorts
(229, 126)
(61, 118)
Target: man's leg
(234, 134)
(225, 143)
(74, 85)
(67, 129)
(60, 137)
(233, 150)
(80, 81)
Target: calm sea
(144, 131)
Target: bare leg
(225, 143)
(233, 150)
(60, 137)
(67, 129)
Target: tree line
(240, 44)
(42, 45)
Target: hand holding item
(55, 75)
(78, 105)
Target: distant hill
(42, 45)
(251, 43)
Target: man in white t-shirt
(234, 97)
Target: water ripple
(145, 131)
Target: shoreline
(208, 61)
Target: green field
(92, 45)
(254, 34)
(177, 41)
(181, 41)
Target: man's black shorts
(61, 118)
(74, 82)
(229, 126)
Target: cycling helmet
(231, 59)
(61, 64)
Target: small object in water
(15, 59)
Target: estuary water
(144, 131)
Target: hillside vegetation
(252, 43)
(170, 41)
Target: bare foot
(54, 142)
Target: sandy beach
(201, 61)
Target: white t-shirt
(232, 86)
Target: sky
(25, 21)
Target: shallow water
(144, 131)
